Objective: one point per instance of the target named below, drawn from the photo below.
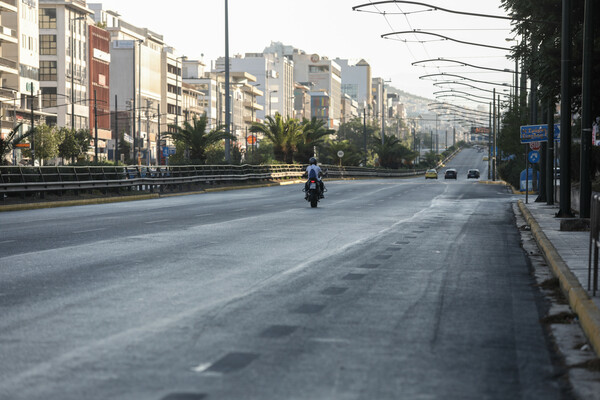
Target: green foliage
(73, 144)
(314, 135)
(430, 160)
(540, 49)
(392, 153)
(263, 154)
(352, 155)
(196, 139)
(46, 141)
(8, 143)
(283, 134)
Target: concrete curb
(587, 312)
(106, 200)
(83, 202)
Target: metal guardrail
(22, 180)
(594, 243)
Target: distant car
(486, 158)
(450, 174)
(473, 173)
(431, 174)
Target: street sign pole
(526, 177)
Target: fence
(23, 180)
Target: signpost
(340, 154)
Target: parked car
(431, 174)
(473, 173)
(450, 174)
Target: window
(48, 97)
(48, 71)
(47, 18)
(48, 45)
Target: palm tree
(392, 152)
(196, 139)
(284, 134)
(314, 134)
(10, 141)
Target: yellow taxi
(485, 158)
(431, 174)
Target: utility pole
(32, 127)
(117, 132)
(95, 127)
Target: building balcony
(251, 105)
(8, 66)
(6, 95)
(8, 5)
(8, 35)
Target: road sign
(251, 139)
(23, 145)
(533, 156)
(535, 146)
(340, 154)
(538, 133)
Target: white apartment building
(356, 81)
(63, 70)
(274, 76)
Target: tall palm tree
(196, 139)
(10, 141)
(284, 134)
(314, 134)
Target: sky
(195, 28)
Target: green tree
(196, 139)
(354, 132)
(392, 153)
(313, 136)
(8, 143)
(46, 141)
(352, 154)
(283, 134)
(124, 149)
(73, 144)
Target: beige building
(63, 61)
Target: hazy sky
(331, 28)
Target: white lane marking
(240, 209)
(7, 241)
(90, 230)
(204, 215)
(329, 340)
(201, 367)
(157, 221)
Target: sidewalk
(567, 254)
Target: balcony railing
(10, 5)
(5, 62)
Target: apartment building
(274, 76)
(357, 81)
(139, 79)
(323, 75)
(63, 67)
(99, 62)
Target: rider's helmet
(313, 161)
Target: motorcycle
(312, 188)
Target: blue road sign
(533, 156)
(538, 133)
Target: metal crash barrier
(594, 243)
(24, 180)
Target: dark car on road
(473, 173)
(450, 174)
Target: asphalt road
(390, 289)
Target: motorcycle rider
(314, 171)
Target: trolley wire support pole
(95, 128)
(117, 132)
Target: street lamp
(71, 20)
(270, 99)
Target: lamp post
(71, 22)
(227, 89)
(270, 100)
